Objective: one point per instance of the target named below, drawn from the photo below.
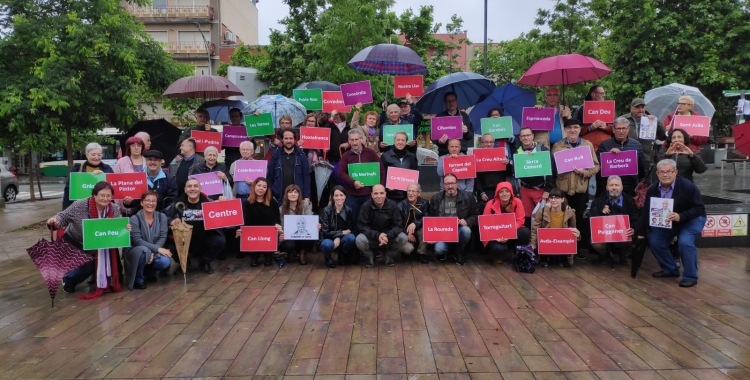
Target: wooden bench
(734, 162)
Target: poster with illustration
(647, 130)
(660, 209)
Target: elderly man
(614, 202)
(637, 111)
(533, 189)
(399, 157)
(356, 192)
(562, 113)
(164, 185)
(451, 109)
(617, 144)
(687, 218)
(288, 166)
(486, 182)
(242, 188)
(454, 150)
(413, 209)
(188, 158)
(146, 140)
(394, 115)
(462, 205)
(202, 120)
(380, 228)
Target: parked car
(8, 183)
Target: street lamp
(484, 71)
(208, 50)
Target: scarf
(105, 261)
(151, 180)
(341, 126)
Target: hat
(571, 122)
(402, 101)
(638, 102)
(153, 153)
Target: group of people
(360, 223)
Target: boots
(254, 259)
(267, 259)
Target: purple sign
(623, 163)
(446, 125)
(211, 184)
(250, 169)
(567, 159)
(542, 119)
(233, 135)
(357, 92)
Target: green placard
(389, 132)
(368, 173)
(425, 126)
(105, 233)
(534, 165)
(81, 184)
(260, 125)
(498, 127)
(312, 100)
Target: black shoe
(441, 257)
(341, 262)
(663, 274)
(207, 267)
(580, 257)
(151, 279)
(267, 259)
(544, 264)
(254, 260)
(329, 263)
(458, 259)
(369, 263)
(423, 259)
(389, 262)
(241, 255)
(688, 283)
(141, 285)
(222, 256)
(69, 288)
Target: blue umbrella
(278, 105)
(388, 59)
(469, 87)
(323, 85)
(218, 110)
(510, 99)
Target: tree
(508, 60)
(245, 56)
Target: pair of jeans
(147, 270)
(367, 246)
(80, 274)
(464, 237)
(345, 246)
(355, 203)
(660, 238)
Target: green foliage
(245, 56)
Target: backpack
(524, 260)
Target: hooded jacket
(494, 206)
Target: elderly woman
(293, 205)
(685, 106)
(555, 214)
(93, 165)
(369, 128)
(132, 162)
(676, 148)
(394, 118)
(106, 261)
(147, 254)
(260, 209)
(211, 165)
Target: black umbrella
(323, 85)
(164, 136)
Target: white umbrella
(662, 101)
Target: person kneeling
(505, 202)
(336, 229)
(413, 209)
(147, 254)
(380, 228)
(462, 205)
(615, 202)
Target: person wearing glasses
(413, 209)
(687, 218)
(685, 106)
(562, 113)
(555, 214)
(597, 131)
(486, 182)
(455, 202)
(533, 189)
(621, 142)
(93, 165)
(451, 109)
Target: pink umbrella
(564, 70)
(54, 259)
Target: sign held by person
(301, 227)
(408, 84)
(451, 126)
(204, 139)
(222, 214)
(315, 138)
(259, 125)
(440, 229)
(334, 101)
(621, 164)
(105, 233)
(556, 241)
(579, 157)
(211, 184)
(259, 239)
(609, 229)
(356, 92)
(497, 226)
(399, 178)
(311, 99)
(489, 159)
(81, 184)
(368, 173)
(249, 169)
(542, 119)
(532, 165)
(127, 184)
(594, 110)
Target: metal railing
(202, 11)
(186, 47)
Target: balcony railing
(203, 11)
(186, 47)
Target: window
(159, 3)
(162, 37)
(192, 3)
(190, 36)
(201, 70)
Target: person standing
(621, 142)
(211, 165)
(677, 148)
(685, 106)
(394, 118)
(454, 150)
(232, 154)
(242, 188)
(260, 209)
(597, 131)
(398, 157)
(356, 192)
(185, 166)
(451, 109)
(203, 123)
(533, 189)
(562, 113)
(289, 166)
(637, 111)
(93, 165)
(486, 182)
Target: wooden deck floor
(436, 321)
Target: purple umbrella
(54, 259)
(388, 59)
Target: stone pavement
(16, 215)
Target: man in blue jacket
(287, 166)
(688, 217)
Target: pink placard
(542, 119)
(693, 125)
(250, 169)
(623, 163)
(399, 178)
(233, 136)
(603, 110)
(446, 125)
(211, 184)
(357, 92)
(567, 159)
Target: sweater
(350, 157)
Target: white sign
(659, 209)
(300, 227)
(725, 225)
(647, 130)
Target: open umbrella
(182, 232)
(202, 87)
(510, 99)
(218, 110)
(564, 70)
(322, 170)
(54, 259)
(469, 87)
(164, 136)
(388, 59)
(662, 101)
(279, 105)
(323, 85)
(741, 133)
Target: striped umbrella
(388, 59)
(202, 87)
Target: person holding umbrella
(450, 99)
(562, 113)
(685, 106)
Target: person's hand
(673, 217)
(281, 236)
(614, 150)
(599, 124)
(484, 197)
(249, 181)
(308, 201)
(410, 228)
(52, 222)
(412, 143)
(443, 139)
(385, 104)
(336, 243)
(605, 210)
(545, 196)
(334, 113)
(672, 149)
(344, 146)
(276, 142)
(150, 259)
(237, 233)
(454, 155)
(629, 232)
(641, 237)
(383, 239)
(383, 145)
(358, 185)
(207, 126)
(279, 228)
(651, 117)
(222, 198)
(165, 252)
(222, 176)
(578, 171)
(300, 142)
(505, 160)
(462, 222)
(129, 227)
(576, 233)
(411, 238)
(464, 129)
(127, 200)
(257, 113)
(538, 106)
(501, 240)
(97, 172)
(319, 226)
(565, 112)
(358, 106)
(408, 98)
(346, 232)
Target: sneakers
(423, 259)
(369, 263)
(68, 288)
(389, 262)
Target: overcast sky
(507, 19)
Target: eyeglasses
(149, 201)
(104, 196)
(621, 129)
(665, 172)
(683, 104)
(524, 136)
(94, 154)
(600, 93)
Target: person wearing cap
(622, 142)
(637, 111)
(164, 185)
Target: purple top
(666, 193)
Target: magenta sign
(567, 159)
(446, 125)
(233, 135)
(623, 163)
(542, 119)
(357, 92)
(250, 169)
(211, 184)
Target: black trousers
(578, 202)
(495, 248)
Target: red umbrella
(202, 87)
(54, 259)
(564, 70)
(741, 134)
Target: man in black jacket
(621, 142)
(615, 203)
(462, 205)
(413, 209)
(380, 228)
(486, 182)
(398, 157)
(533, 189)
(451, 109)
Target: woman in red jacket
(685, 106)
(505, 202)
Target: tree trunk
(69, 145)
(32, 197)
(38, 177)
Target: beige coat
(570, 182)
(542, 137)
(542, 217)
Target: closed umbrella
(279, 105)
(662, 101)
(510, 99)
(182, 232)
(54, 259)
(470, 88)
(202, 87)
(322, 170)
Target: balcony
(187, 49)
(171, 14)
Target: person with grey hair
(413, 209)
(93, 165)
(614, 202)
(394, 118)
(241, 189)
(621, 142)
(146, 140)
(211, 164)
(638, 111)
(356, 191)
(688, 218)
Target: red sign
(440, 229)
(222, 214)
(259, 239)
(334, 101)
(204, 139)
(693, 125)
(489, 159)
(408, 84)
(127, 184)
(556, 241)
(603, 110)
(497, 226)
(462, 166)
(315, 138)
(609, 229)
(399, 178)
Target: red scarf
(114, 281)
